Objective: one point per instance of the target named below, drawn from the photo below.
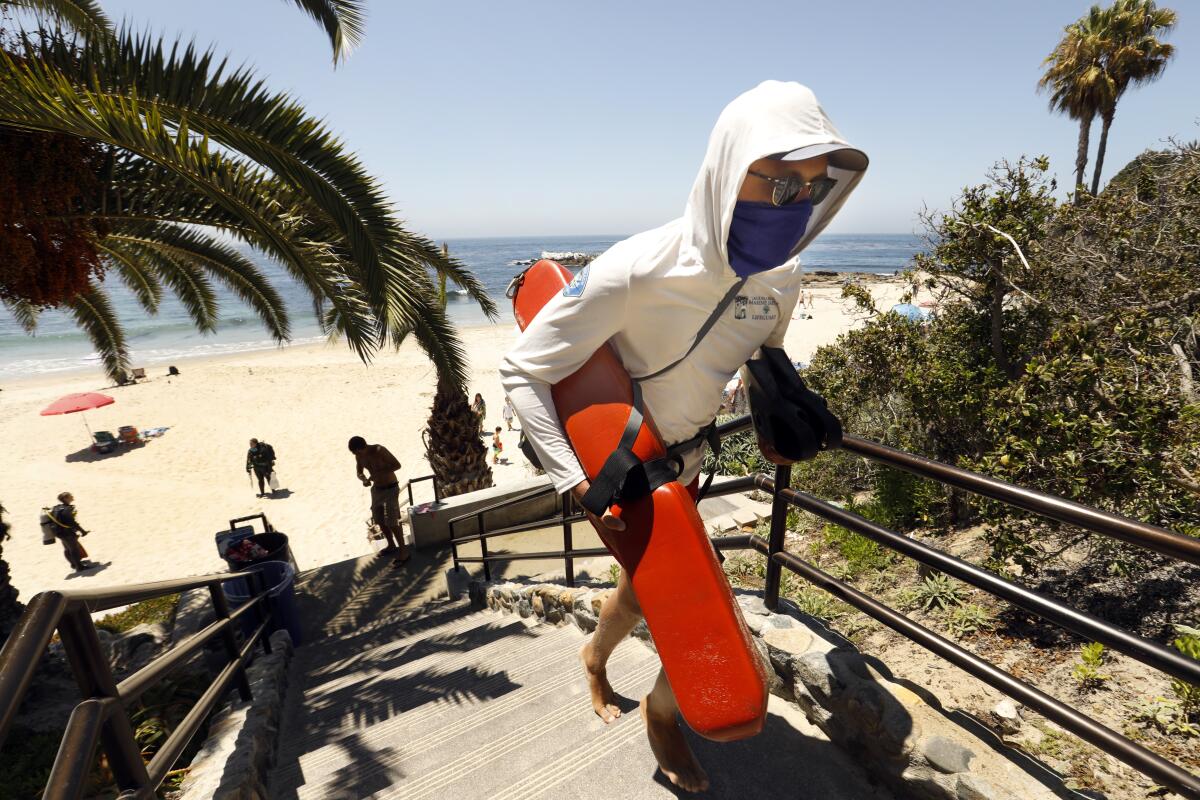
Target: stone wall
(898, 731)
(239, 752)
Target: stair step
(413, 720)
(327, 713)
(552, 722)
(445, 701)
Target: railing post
(258, 584)
(487, 568)
(437, 490)
(454, 549)
(568, 505)
(221, 607)
(410, 496)
(779, 511)
(90, 667)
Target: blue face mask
(762, 235)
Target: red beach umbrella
(82, 401)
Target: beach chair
(104, 442)
(139, 373)
(129, 435)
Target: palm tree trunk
(453, 446)
(1106, 119)
(10, 609)
(1081, 155)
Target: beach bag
(47, 528)
(273, 481)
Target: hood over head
(775, 118)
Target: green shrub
(818, 603)
(26, 763)
(1087, 672)
(859, 554)
(938, 591)
(160, 609)
(968, 618)
(1187, 694)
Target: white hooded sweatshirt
(650, 294)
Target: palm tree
(1133, 55)
(176, 152)
(452, 445)
(10, 607)
(1076, 82)
(1098, 58)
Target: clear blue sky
(565, 117)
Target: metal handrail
(1148, 763)
(1141, 534)
(1151, 537)
(1092, 628)
(510, 501)
(437, 489)
(101, 717)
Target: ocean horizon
(59, 345)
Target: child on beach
(507, 412)
(497, 446)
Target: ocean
(59, 346)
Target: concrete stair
(396, 698)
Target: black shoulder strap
(624, 475)
(704, 329)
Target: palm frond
(221, 261)
(24, 312)
(345, 21)
(36, 96)
(184, 276)
(248, 161)
(144, 285)
(93, 312)
(84, 16)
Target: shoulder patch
(577, 284)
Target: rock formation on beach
(566, 258)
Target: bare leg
(674, 757)
(398, 532)
(618, 616)
(389, 536)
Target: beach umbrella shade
(82, 401)
(910, 312)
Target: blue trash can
(280, 578)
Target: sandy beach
(153, 510)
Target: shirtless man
(385, 492)
(775, 173)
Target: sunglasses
(789, 188)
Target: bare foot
(671, 750)
(604, 700)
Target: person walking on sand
(261, 458)
(385, 493)
(507, 412)
(480, 409)
(68, 530)
(775, 173)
